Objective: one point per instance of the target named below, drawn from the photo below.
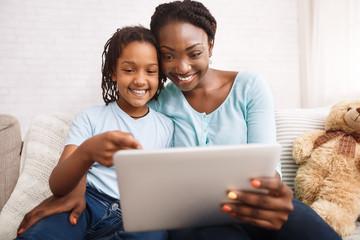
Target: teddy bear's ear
(336, 118)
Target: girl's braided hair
(185, 11)
(113, 50)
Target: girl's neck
(134, 112)
(141, 116)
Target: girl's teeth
(185, 78)
(138, 91)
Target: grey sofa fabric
(10, 149)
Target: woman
(212, 107)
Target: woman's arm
(270, 210)
(74, 202)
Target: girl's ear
(113, 76)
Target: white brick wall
(50, 51)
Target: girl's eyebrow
(186, 49)
(134, 63)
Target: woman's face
(185, 52)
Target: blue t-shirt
(154, 131)
(246, 116)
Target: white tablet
(185, 187)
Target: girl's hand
(268, 211)
(101, 148)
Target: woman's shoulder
(247, 78)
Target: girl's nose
(140, 79)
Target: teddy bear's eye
(348, 109)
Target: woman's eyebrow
(186, 49)
(169, 48)
(192, 46)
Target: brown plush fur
(328, 180)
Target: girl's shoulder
(93, 113)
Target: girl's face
(136, 74)
(185, 52)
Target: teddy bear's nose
(358, 109)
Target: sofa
(24, 178)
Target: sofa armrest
(10, 148)
(43, 145)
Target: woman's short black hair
(185, 11)
(113, 50)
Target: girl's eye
(128, 70)
(152, 72)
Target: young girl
(131, 78)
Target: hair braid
(186, 11)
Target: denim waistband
(101, 195)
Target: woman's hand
(268, 211)
(74, 203)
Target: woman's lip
(184, 80)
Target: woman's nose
(183, 67)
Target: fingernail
(74, 221)
(20, 231)
(255, 183)
(232, 195)
(226, 208)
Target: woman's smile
(181, 79)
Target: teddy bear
(328, 177)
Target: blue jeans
(100, 220)
(303, 223)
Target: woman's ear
(213, 25)
(211, 46)
(211, 43)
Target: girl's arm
(71, 169)
(77, 160)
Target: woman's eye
(195, 54)
(167, 57)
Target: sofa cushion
(43, 145)
(10, 147)
(290, 124)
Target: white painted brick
(50, 51)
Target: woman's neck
(211, 92)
